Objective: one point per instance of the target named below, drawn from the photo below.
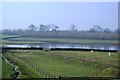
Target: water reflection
(66, 45)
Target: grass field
(0, 66)
(37, 63)
(40, 64)
(7, 70)
(6, 36)
(30, 40)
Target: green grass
(5, 36)
(22, 40)
(65, 63)
(25, 69)
(19, 42)
(7, 70)
(108, 72)
(0, 65)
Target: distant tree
(53, 27)
(107, 30)
(73, 27)
(117, 30)
(20, 30)
(47, 28)
(6, 31)
(31, 27)
(44, 27)
(98, 28)
(92, 30)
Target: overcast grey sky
(83, 14)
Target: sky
(84, 15)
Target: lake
(67, 45)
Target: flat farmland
(40, 63)
(17, 39)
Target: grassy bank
(0, 65)
(36, 63)
(30, 40)
(20, 42)
(7, 70)
(6, 36)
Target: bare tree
(41, 27)
(98, 28)
(73, 27)
(31, 27)
(53, 27)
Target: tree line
(52, 27)
(53, 31)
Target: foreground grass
(7, 70)
(0, 65)
(36, 63)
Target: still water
(66, 45)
